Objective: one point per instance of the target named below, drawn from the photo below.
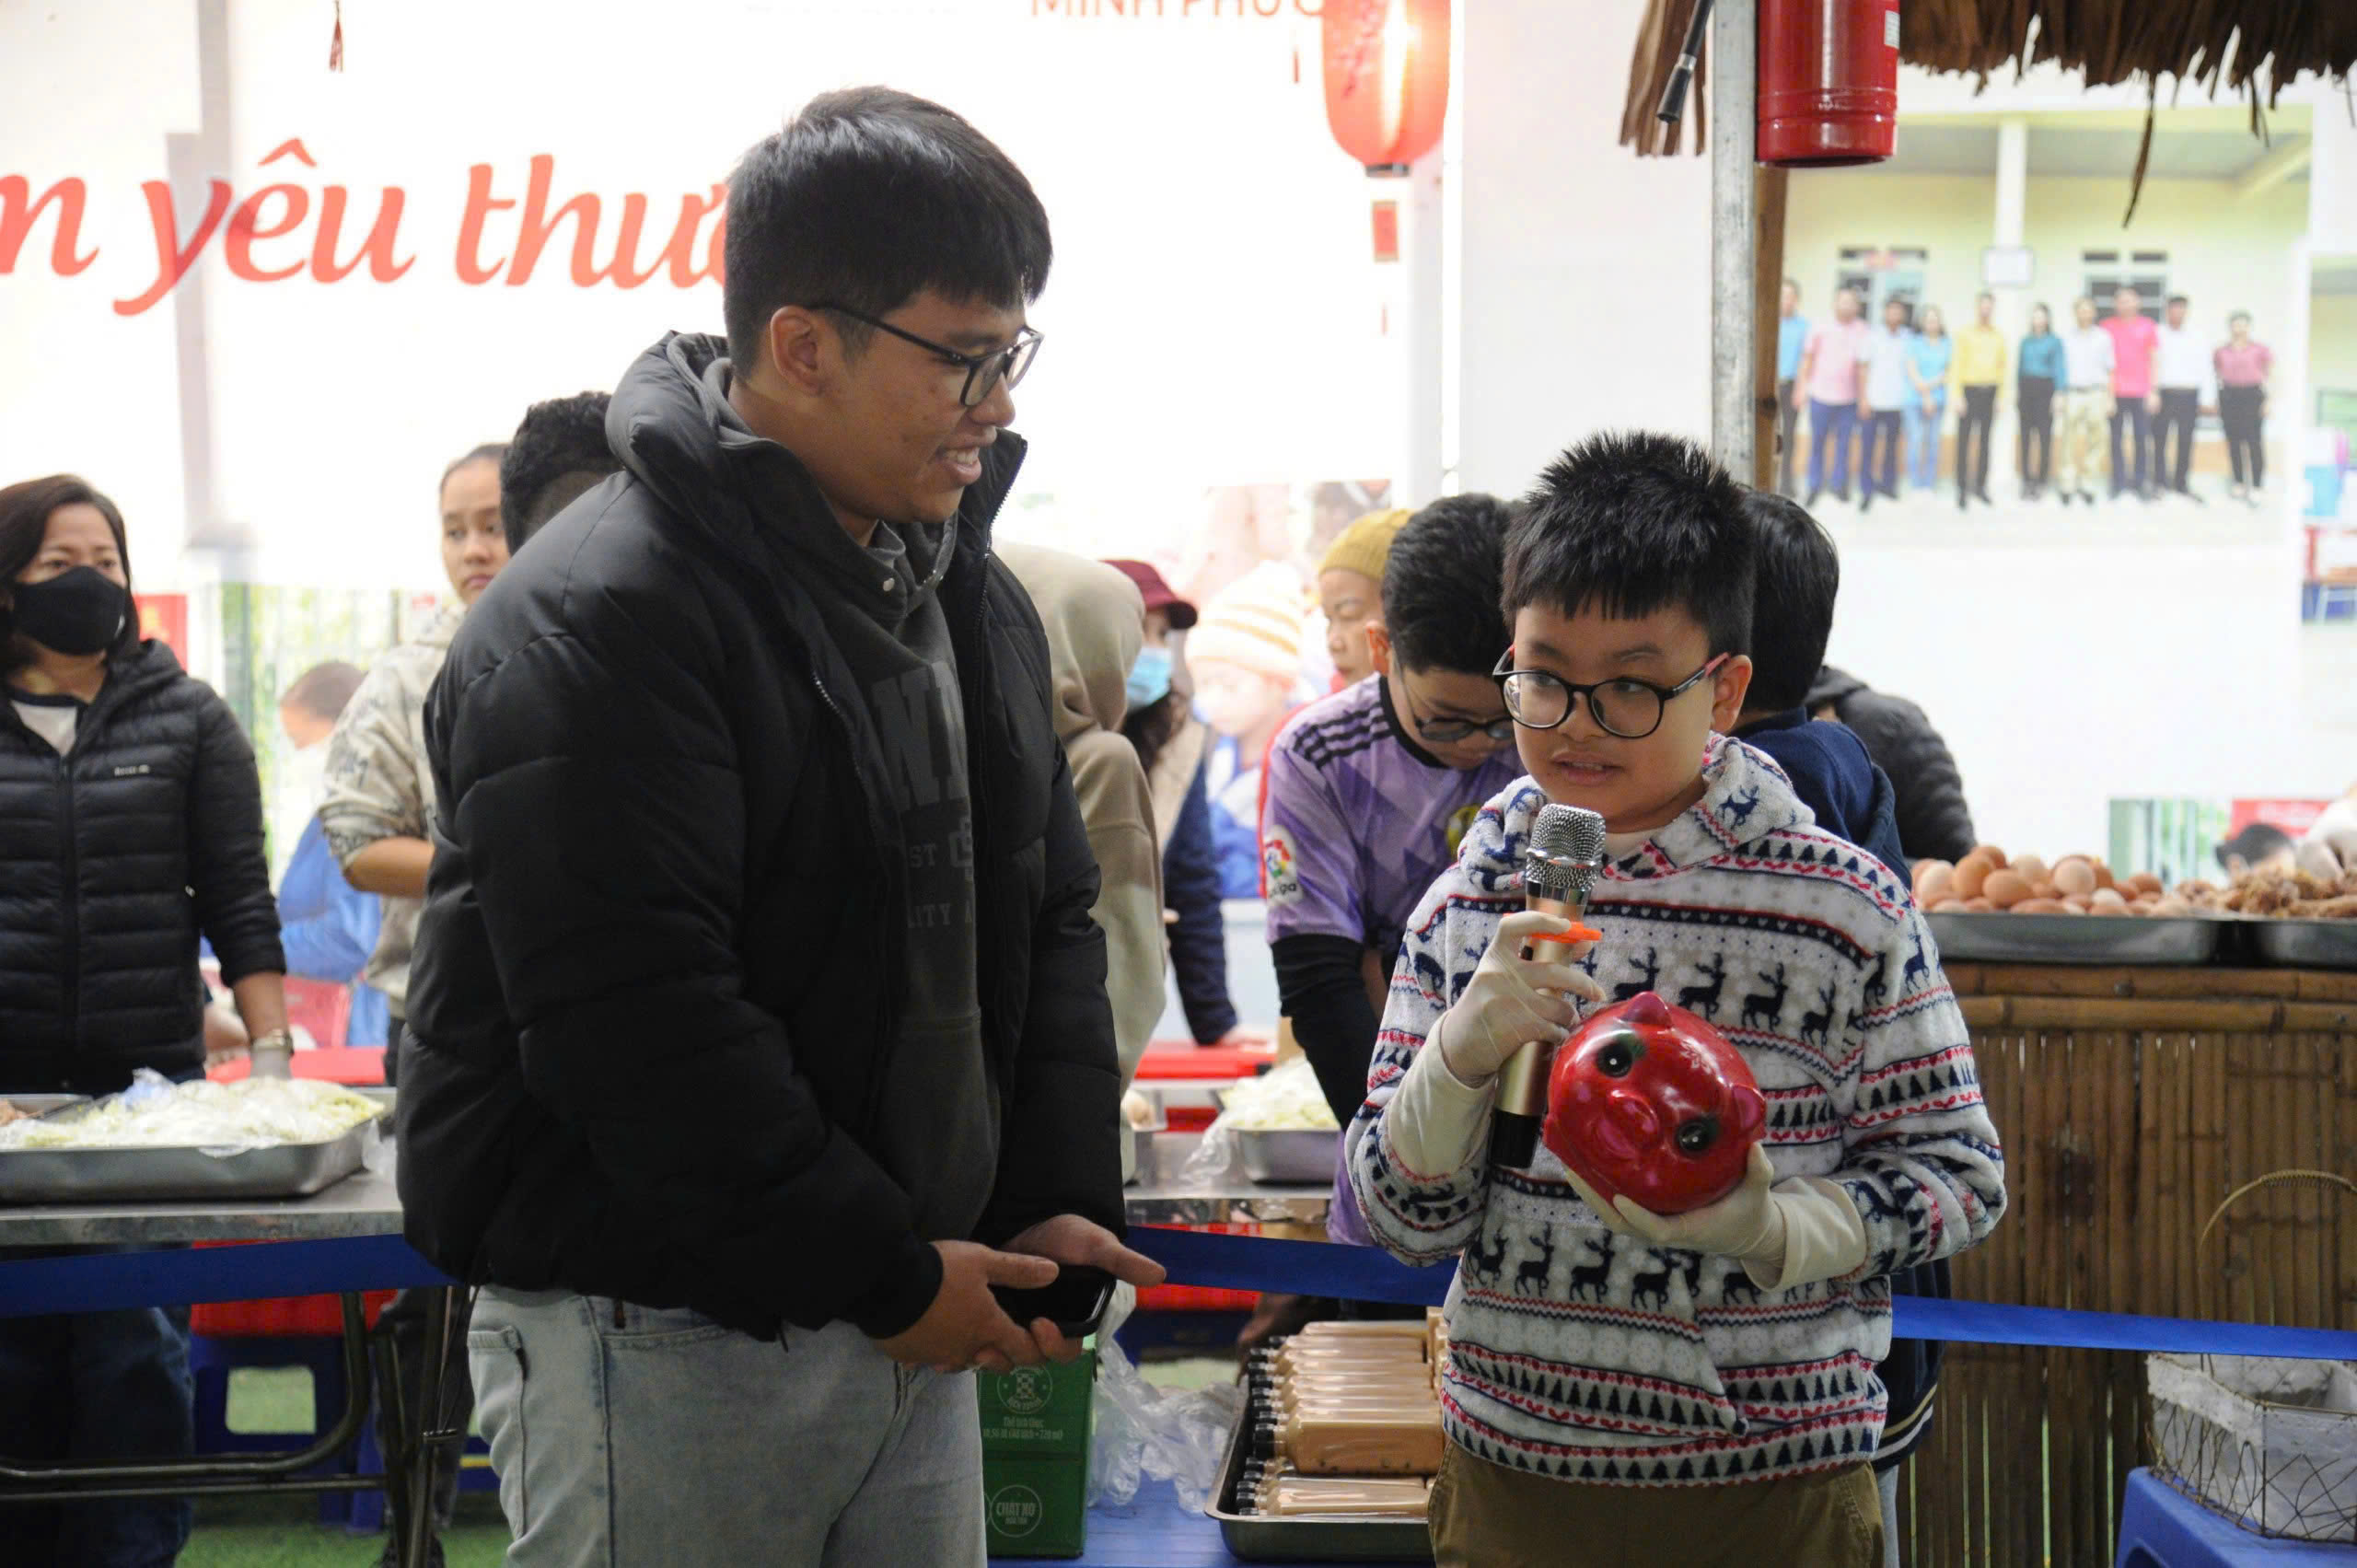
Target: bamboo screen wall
(2131, 1102)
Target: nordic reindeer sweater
(1589, 1356)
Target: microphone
(1566, 851)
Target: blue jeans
(1923, 440)
(96, 1386)
(665, 1438)
(1829, 427)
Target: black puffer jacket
(112, 861)
(662, 939)
(1934, 822)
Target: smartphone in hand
(1074, 1303)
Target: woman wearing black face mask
(130, 821)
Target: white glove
(1744, 1225)
(1512, 1001)
(2329, 847)
(1785, 1237)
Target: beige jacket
(378, 785)
(1096, 624)
(1174, 775)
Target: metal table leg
(422, 1444)
(45, 1481)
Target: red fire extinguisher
(1828, 82)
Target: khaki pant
(1486, 1514)
(2087, 423)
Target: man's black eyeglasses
(1627, 707)
(984, 371)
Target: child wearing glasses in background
(1624, 1388)
(1371, 788)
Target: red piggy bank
(1650, 1101)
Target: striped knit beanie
(1255, 623)
(1365, 544)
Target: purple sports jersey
(1360, 821)
(1360, 824)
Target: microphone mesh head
(1566, 847)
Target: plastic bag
(1284, 1098)
(1144, 1433)
(218, 1118)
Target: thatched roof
(2253, 48)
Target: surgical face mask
(1149, 680)
(78, 611)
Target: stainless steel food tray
(2077, 938)
(1289, 1157)
(41, 1105)
(1258, 1538)
(128, 1176)
(2305, 944)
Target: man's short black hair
(1630, 522)
(1441, 582)
(561, 436)
(2177, 300)
(2259, 841)
(1798, 575)
(864, 200)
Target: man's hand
(1512, 1000)
(964, 1327)
(1744, 1225)
(1800, 397)
(1068, 1238)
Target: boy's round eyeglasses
(984, 371)
(1627, 707)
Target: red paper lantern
(1387, 78)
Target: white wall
(2332, 342)
(80, 388)
(1585, 282)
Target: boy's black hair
(1798, 575)
(1630, 522)
(1441, 582)
(561, 436)
(864, 200)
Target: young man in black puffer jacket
(1934, 823)
(757, 996)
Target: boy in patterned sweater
(1624, 1388)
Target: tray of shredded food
(159, 1141)
(1333, 1458)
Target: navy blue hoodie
(1835, 779)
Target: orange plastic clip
(1578, 933)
